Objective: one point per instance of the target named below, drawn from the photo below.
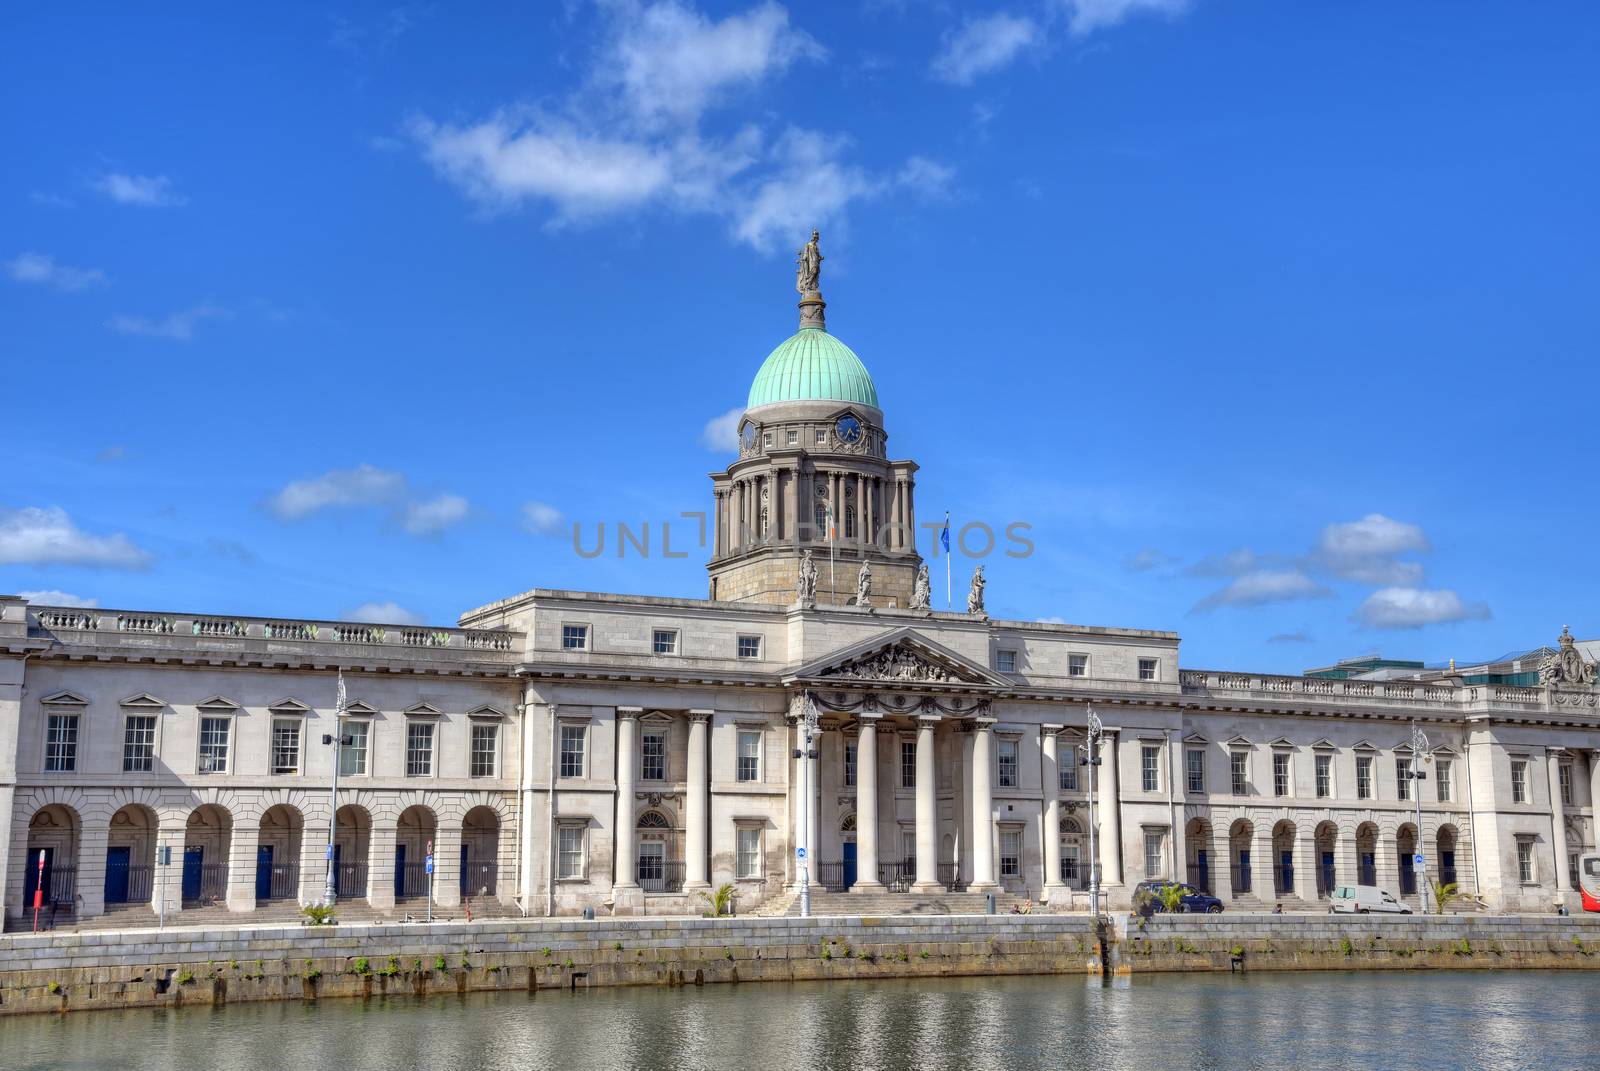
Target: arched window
(653, 820)
(849, 522)
(848, 825)
(822, 522)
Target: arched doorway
(1327, 838)
(1367, 854)
(1239, 836)
(278, 854)
(1283, 858)
(1447, 841)
(352, 844)
(480, 853)
(414, 835)
(847, 851)
(51, 865)
(1073, 854)
(660, 854)
(207, 840)
(1405, 842)
(130, 857)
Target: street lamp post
(1420, 754)
(1090, 759)
(805, 753)
(337, 739)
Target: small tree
(719, 902)
(1445, 893)
(1171, 897)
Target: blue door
(264, 872)
(466, 878)
(32, 881)
(399, 869)
(117, 862)
(1286, 871)
(1369, 868)
(193, 859)
(1202, 869)
(1242, 882)
(849, 863)
(1327, 872)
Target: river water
(1377, 1020)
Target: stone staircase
(842, 904)
(273, 913)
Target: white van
(1361, 899)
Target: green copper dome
(812, 365)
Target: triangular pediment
(64, 699)
(422, 710)
(1282, 741)
(144, 701)
(1362, 745)
(1240, 741)
(1324, 745)
(1195, 738)
(360, 708)
(901, 656)
(287, 705)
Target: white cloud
(721, 433)
(983, 45)
(1262, 587)
(541, 518)
(1366, 550)
(41, 268)
(1415, 608)
(179, 326)
(153, 191)
(383, 613)
(1051, 620)
(1237, 563)
(810, 185)
(434, 515)
(1086, 16)
(928, 178)
(58, 598)
(1150, 558)
(34, 536)
(363, 485)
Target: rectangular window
(214, 744)
(569, 856)
(1005, 661)
(1280, 773)
(139, 743)
(1363, 777)
(1147, 669)
(1402, 778)
(749, 646)
(572, 741)
(653, 756)
(574, 637)
(1324, 776)
(419, 749)
(1154, 856)
(1196, 758)
(1519, 782)
(485, 749)
(1068, 770)
(353, 756)
(849, 765)
(1150, 768)
(1010, 853)
(1564, 775)
(749, 757)
(61, 743)
(908, 764)
(1006, 754)
(1077, 665)
(664, 641)
(1525, 860)
(748, 864)
(820, 437)
(1572, 869)
(1240, 771)
(286, 746)
(1441, 779)
(794, 437)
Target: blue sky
(1275, 321)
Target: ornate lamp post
(1420, 753)
(1090, 759)
(337, 739)
(805, 753)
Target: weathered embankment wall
(149, 968)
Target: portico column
(241, 888)
(982, 796)
(1109, 806)
(1305, 862)
(170, 833)
(927, 810)
(1558, 823)
(1051, 790)
(814, 800)
(1219, 864)
(867, 808)
(694, 838)
(447, 864)
(1387, 866)
(624, 859)
(1262, 866)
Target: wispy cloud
(983, 45)
(1263, 587)
(541, 518)
(1150, 558)
(721, 432)
(1367, 551)
(1086, 16)
(42, 268)
(1290, 637)
(47, 536)
(150, 191)
(434, 515)
(369, 486)
(1401, 608)
(58, 598)
(382, 613)
(177, 327)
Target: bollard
(988, 903)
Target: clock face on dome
(849, 430)
(749, 436)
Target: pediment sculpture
(892, 664)
(1567, 667)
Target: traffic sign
(1419, 859)
(799, 853)
(427, 865)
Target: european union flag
(944, 535)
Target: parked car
(1194, 901)
(1361, 899)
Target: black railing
(410, 880)
(1325, 880)
(831, 876)
(1241, 880)
(478, 879)
(897, 877)
(283, 881)
(1408, 879)
(1369, 874)
(950, 878)
(1447, 875)
(350, 881)
(1199, 876)
(660, 875)
(130, 884)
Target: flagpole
(833, 557)
(945, 537)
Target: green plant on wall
(720, 901)
(1445, 893)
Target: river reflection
(1400, 1020)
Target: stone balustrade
(1411, 694)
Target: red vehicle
(1589, 880)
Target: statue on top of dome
(807, 278)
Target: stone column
(1387, 865)
(813, 801)
(242, 845)
(1054, 888)
(719, 526)
(927, 810)
(313, 864)
(91, 864)
(1305, 862)
(867, 808)
(981, 795)
(167, 882)
(1220, 859)
(1558, 823)
(1262, 866)
(624, 859)
(447, 864)
(699, 804)
(791, 507)
(1108, 802)
(836, 501)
